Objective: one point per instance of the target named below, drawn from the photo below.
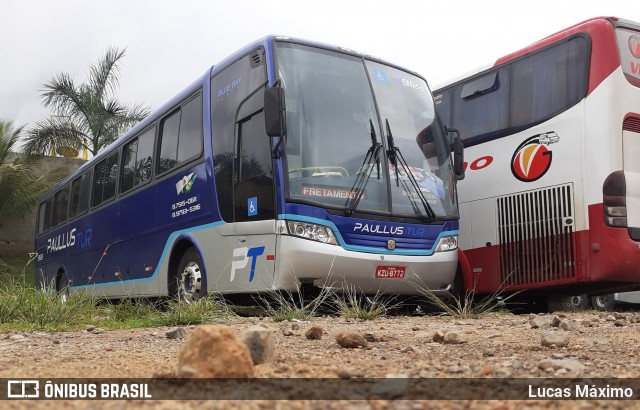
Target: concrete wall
(17, 236)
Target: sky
(171, 43)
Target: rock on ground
(314, 333)
(260, 342)
(214, 351)
(556, 364)
(351, 340)
(559, 339)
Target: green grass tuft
(43, 309)
(287, 305)
(467, 306)
(353, 304)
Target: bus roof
(552, 39)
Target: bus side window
(169, 142)
(104, 183)
(44, 217)
(443, 106)
(137, 161)
(481, 106)
(549, 82)
(60, 206)
(80, 189)
(181, 135)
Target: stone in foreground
(351, 340)
(314, 333)
(214, 351)
(260, 342)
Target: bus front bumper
(306, 261)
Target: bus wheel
(603, 302)
(62, 288)
(190, 279)
(568, 303)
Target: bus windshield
(334, 118)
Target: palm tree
(85, 116)
(19, 189)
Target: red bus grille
(631, 124)
(535, 230)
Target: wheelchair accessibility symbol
(252, 206)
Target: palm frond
(86, 115)
(20, 190)
(62, 96)
(103, 76)
(8, 138)
(54, 132)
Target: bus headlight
(447, 243)
(314, 232)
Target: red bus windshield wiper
(397, 159)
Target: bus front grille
(535, 230)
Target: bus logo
(391, 244)
(634, 46)
(184, 185)
(532, 158)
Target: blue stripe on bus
(162, 257)
(368, 249)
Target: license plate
(390, 272)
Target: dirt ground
(599, 345)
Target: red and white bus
(551, 199)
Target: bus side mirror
(274, 111)
(457, 147)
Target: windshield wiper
(396, 158)
(373, 153)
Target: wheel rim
(603, 301)
(576, 301)
(190, 283)
(64, 296)
(63, 291)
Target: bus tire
(190, 282)
(62, 287)
(603, 303)
(568, 303)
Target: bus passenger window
(60, 206)
(190, 142)
(181, 135)
(549, 82)
(136, 161)
(169, 143)
(129, 153)
(104, 184)
(44, 217)
(80, 194)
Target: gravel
(500, 345)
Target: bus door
(251, 238)
(244, 250)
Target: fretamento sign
(329, 192)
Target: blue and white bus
(289, 163)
